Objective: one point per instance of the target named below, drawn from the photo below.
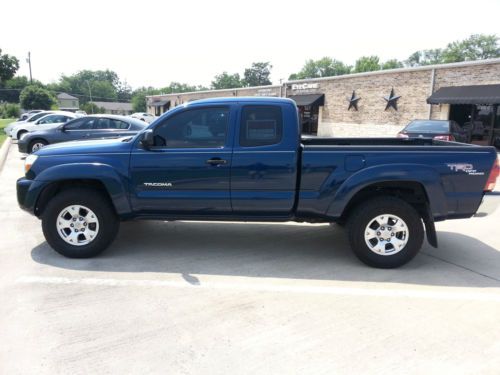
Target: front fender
(114, 184)
(427, 176)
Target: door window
(194, 128)
(53, 119)
(109, 123)
(260, 126)
(80, 124)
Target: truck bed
(330, 141)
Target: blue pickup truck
(243, 159)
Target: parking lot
(190, 297)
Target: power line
(74, 94)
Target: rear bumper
(489, 204)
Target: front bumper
(24, 200)
(489, 204)
(22, 146)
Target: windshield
(428, 126)
(38, 115)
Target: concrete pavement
(239, 298)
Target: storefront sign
(265, 92)
(305, 86)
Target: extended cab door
(188, 169)
(265, 160)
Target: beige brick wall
(371, 119)
(413, 87)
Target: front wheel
(36, 145)
(385, 232)
(79, 223)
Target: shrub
(34, 97)
(10, 110)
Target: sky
(152, 43)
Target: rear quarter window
(261, 126)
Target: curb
(4, 151)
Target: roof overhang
(480, 94)
(308, 99)
(159, 103)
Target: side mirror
(62, 128)
(147, 140)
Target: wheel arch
(101, 177)
(396, 179)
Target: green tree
(367, 64)
(392, 64)
(13, 87)
(226, 81)
(178, 87)
(324, 67)
(124, 92)
(90, 108)
(139, 98)
(476, 47)
(8, 67)
(104, 85)
(34, 97)
(258, 74)
(425, 57)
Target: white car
(49, 121)
(143, 116)
(33, 117)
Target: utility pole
(28, 60)
(90, 95)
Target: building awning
(159, 103)
(309, 99)
(480, 94)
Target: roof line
(344, 76)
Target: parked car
(83, 128)
(149, 118)
(242, 159)
(49, 121)
(444, 130)
(28, 114)
(31, 118)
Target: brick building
(357, 104)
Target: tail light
(402, 135)
(446, 137)
(492, 179)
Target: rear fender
(428, 177)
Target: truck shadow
(317, 252)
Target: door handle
(216, 161)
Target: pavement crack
(463, 267)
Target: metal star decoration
(392, 100)
(353, 101)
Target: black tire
(95, 201)
(34, 142)
(365, 212)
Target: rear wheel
(79, 223)
(36, 145)
(385, 232)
